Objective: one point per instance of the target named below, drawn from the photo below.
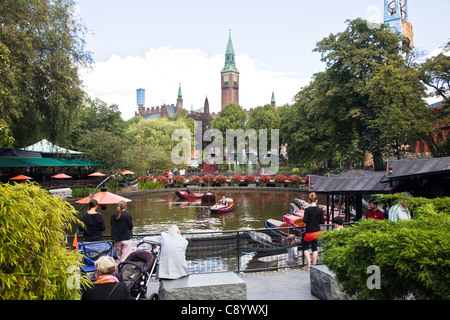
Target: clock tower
(229, 77)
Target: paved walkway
(293, 284)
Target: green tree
(41, 50)
(35, 263)
(266, 117)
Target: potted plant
(250, 179)
(295, 180)
(196, 180)
(209, 179)
(178, 181)
(264, 179)
(221, 179)
(279, 180)
(236, 179)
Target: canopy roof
(45, 146)
(399, 169)
(17, 162)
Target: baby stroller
(136, 272)
(92, 251)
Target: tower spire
(179, 99)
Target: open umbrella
(61, 176)
(96, 174)
(104, 198)
(127, 172)
(21, 177)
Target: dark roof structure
(400, 169)
(355, 182)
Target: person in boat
(172, 258)
(188, 191)
(224, 201)
(313, 218)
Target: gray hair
(173, 229)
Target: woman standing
(94, 223)
(313, 218)
(121, 231)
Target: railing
(240, 250)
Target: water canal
(155, 212)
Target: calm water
(153, 213)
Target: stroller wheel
(154, 296)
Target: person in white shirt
(399, 212)
(172, 257)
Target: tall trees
(41, 49)
(368, 100)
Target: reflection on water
(153, 213)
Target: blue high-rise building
(140, 97)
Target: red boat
(220, 208)
(293, 221)
(185, 195)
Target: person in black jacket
(107, 286)
(122, 231)
(313, 218)
(94, 223)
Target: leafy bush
(413, 255)
(34, 261)
(249, 178)
(195, 180)
(221, 179)
(150, 185)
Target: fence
(241, 250)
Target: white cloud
(161, 70)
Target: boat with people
(189, 196)
(224, 205)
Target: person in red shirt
(374, 212)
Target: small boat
(219, 207)
(293, 220)
(185, 195)
(276, 224)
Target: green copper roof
(230, 64)
(180, 97)
(273, 97)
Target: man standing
(399, 212)
(374, 212)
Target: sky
(159, 45)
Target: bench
(210, 286)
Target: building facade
(229, 77)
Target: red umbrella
(61, 176)
(97, 174)
(21, 177)
(104, 198)
(127, 172)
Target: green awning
(17, 162)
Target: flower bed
(295, 180)
(162, 180)
(265, 178)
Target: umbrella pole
(92, 196)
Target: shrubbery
(35, 263)
(413, 256)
